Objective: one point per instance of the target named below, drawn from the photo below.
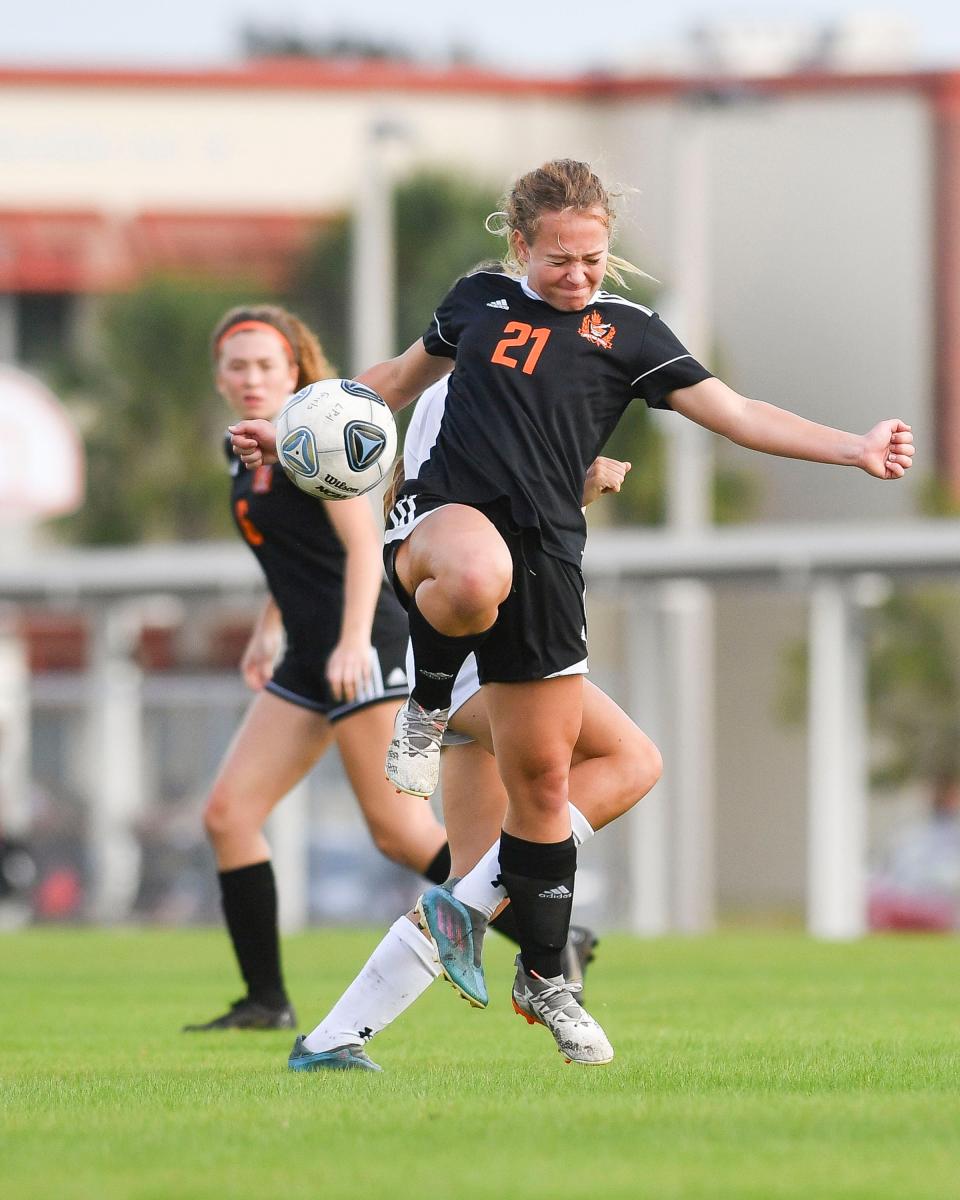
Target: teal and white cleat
(456, 931)
(340, 1058)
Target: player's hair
(561, 185)
(310, 360)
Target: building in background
(829, 204)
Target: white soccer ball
(336, 439)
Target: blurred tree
(152, 420)
(439, 234)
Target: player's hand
(887, 451)
(603, 475)
(254, 442)
(256, 666)
(348, 669)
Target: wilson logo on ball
(364, 444)
(299, 452)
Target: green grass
(747, 1066)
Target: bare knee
(223, 815)
(391, 844)
(541, 790)
(472, 590)
(643, 767)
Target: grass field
(747, 1066)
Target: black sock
(538, 877)
(438, 868)
(506, 923)
(249, 898)
(436, 659)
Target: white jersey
(420, 439)
(423, 428)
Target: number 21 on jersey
(521, 335)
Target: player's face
(254, 374)
(568, 258)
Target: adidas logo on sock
(497, 304)
(561, 892)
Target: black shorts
(541, 630)
(300, 675)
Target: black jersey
(299, 552)
(536, 392)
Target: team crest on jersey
(598, 331)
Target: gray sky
(551, 36)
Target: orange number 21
(521, 333)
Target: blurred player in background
(343, 639)
(486, 543)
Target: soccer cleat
(456, 931)
(553, 1003)
(413, 758)
(247, 1014)
(578, 954)
(340, 1058)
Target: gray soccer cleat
(413, 757)
(578, 954)
(340, 1058)
(553, 1003)
(456, 931)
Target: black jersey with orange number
(298, 550)
(536, 392)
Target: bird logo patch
(598, 331)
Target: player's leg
(474, 806)
(403, 827)
(404, 964)
(399, 970)
(275, 746)
(456, 570)
(535, 726)
(616, 764)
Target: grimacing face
(568, 258)
(254, 373)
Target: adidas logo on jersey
(497, 304)
(560, 892)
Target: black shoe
(578, 953)
(247, 1014)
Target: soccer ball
(336, 439)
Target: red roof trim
(86, 251)
(300, 75)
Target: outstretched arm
(400, 380)
(885, 452)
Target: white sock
(399, 971)
(580, 827)
(479, 888)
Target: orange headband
(246, 326)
